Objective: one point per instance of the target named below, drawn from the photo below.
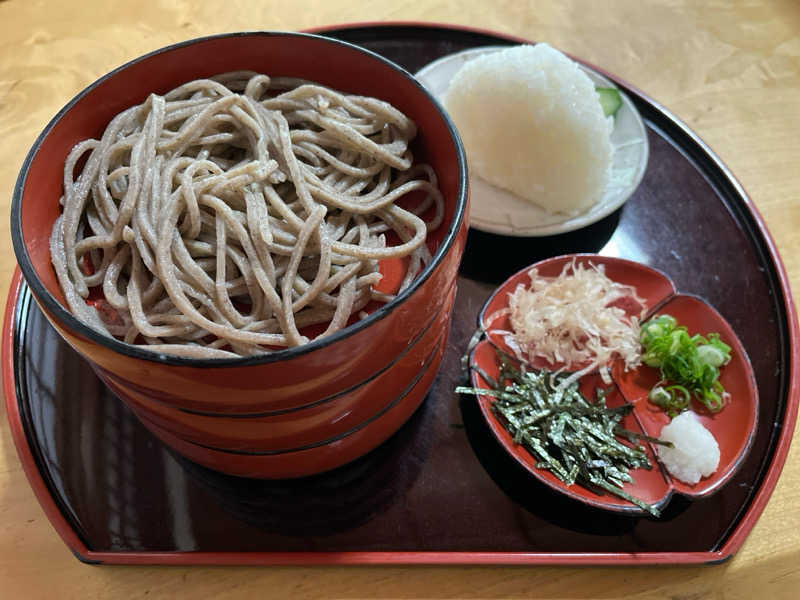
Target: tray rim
(729, 547)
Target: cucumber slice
(610, 100)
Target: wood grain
(730, 70)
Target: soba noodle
(227, 215)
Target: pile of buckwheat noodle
(225, 216)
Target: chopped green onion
(692, 363)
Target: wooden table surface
(730, 70)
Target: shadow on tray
(328, 503)
(537, 498)
(492, 258)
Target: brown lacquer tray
(441, 490)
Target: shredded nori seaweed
(575, 439)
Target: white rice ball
(695, 453)
(532, 124)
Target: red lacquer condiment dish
(308, 408)
(733, 427)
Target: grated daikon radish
(694, 453)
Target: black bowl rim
(73, 323)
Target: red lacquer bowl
(319, 457)
(733, 427)
(293, 398)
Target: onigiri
(532, 124)
(695, 452)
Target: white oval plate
(498, 211)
